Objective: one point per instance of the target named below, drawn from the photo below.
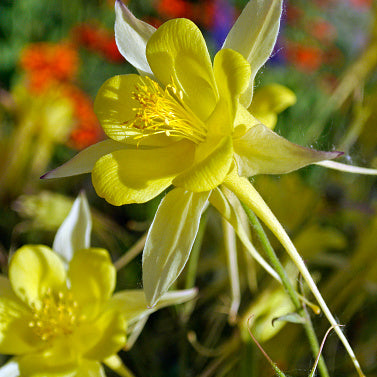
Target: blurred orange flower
(47, 64)
(55, 65)
(87, 130)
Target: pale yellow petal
(74, 232)
(84, 161)
(136, 176)
(35, 270)
(133, 304)
(254, 35)
(131, 36)
(211, 169)
(177, 51)
(261, 151)
(170, 240)
(229, 207)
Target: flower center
(57, 315)
(163, 111)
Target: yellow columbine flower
(183, 123)
(59, 316)
(54, 326)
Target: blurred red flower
(98, 40)
(306, 58)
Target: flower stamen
(163, 111)
(58, 314)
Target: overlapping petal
(232, 73)
(136, 176)
(177, 50)
(211, 169)
(34, 271)
(254, 35)
(92, 276)
(261, 151)
(107, 335)
(170, 239)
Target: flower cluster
(187, 125)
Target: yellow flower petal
(136, 176)
(211, 169)
(16, 336)
(243, 122)
(232, 74)
(92, 276)
(89, 368)
(177, 51)
(261, 151)
(254, 35)
(107, 335)
(114, 105)
(34, 271)
(38, 365)
(269, 101)
(170, 239)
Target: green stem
(274, 260)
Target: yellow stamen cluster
(163, 111)
(57, 315)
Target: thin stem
(274, 366)
(131, 253)
(274, 260)
(320, 350)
